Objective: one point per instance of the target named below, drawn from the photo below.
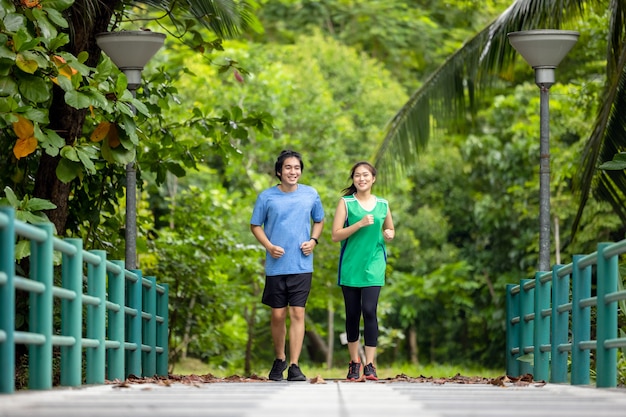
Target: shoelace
(355, 367)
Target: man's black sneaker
(370, 372)
(295, 374)
(354, 371)
(279, 366)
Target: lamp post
(131, 51)
(543, 50)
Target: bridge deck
(329, 399)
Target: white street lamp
(131, 51)
(543, 50)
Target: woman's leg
(352, 301)
(369, 306)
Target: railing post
(526, 327)
(606, 360)
(41, 270)
(542, 328)
(117, 324)
(163, 331)
(7, 302)
(133, 328)
(560, 326)
(148, 359)
(72, 316)
(96, 319)
(581, 322)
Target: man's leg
(279, 331)
(296, 333)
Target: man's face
(290, 174)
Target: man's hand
(307, 247)
(276, 251)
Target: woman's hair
(278, 166)
(352, 188)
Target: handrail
(538, 320)
(124, 331)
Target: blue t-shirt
(286, 220)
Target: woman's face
(363, 178)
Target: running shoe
(295, 374)
(354, 371)
(370, 372)
(279, 366)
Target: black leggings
(361, 300)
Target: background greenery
(324, 78)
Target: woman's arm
(340, 232)
(389, 232)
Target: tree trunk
(250, 316)
(413, 346)
(188, 324)
(65, 120)
(331, 335)
(85, 22)
(315, 344)
(433, 344)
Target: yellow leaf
(101, 131)
(64, 69)
(67, 71)
(23, 128)
(58, 60)
(27, 65)
(24, 147)
(30, 3)
(114, 138)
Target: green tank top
(363, 256)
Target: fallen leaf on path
(197, 380)
(317, 380)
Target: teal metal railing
(112, 321)
(549, 320)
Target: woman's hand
(367, 220)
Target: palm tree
(451, 91)
(86, 18)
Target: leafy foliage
(324, 78)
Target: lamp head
(131, 51)
(544, 50)
(543, 47)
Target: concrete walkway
(329, 399)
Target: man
(281, 222)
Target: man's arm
(274, 251)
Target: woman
(362, 224)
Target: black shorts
(287, 290)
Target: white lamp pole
(131, 51)
(544, 50)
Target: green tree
(58, 100)
(453, 91)
(327, 101)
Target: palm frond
(450, 92)
(609, 134)
(226, 18)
